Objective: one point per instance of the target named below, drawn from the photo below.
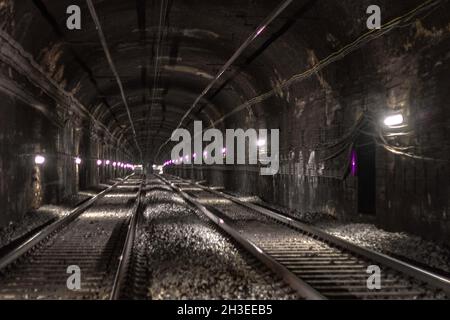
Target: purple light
(353, 164)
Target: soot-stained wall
(402, 175)
(67, 100)
(24, 185)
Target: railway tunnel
(224, 149)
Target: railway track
(92, 238)
(315, 264)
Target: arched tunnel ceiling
(194, 46)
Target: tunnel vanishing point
(362, 114)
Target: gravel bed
(399, 244)
(368, 235)
(307, 217)
(188, 259)
(93, 241)
(36, 218)
(44, 214)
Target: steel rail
(430, 278)
(125, 257)
(259, 30)
(301, 287)
(57, 225)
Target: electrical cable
(113, 69)
(400, 21)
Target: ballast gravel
(188, 258)
(45, 214)
(401, 245)
(37, 218)
(392, 243)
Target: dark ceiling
(167, 52)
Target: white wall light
(77, 160)
(394, 120)
(39, 159)
(99, 162)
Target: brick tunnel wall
(407, 70)
(26, 132)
